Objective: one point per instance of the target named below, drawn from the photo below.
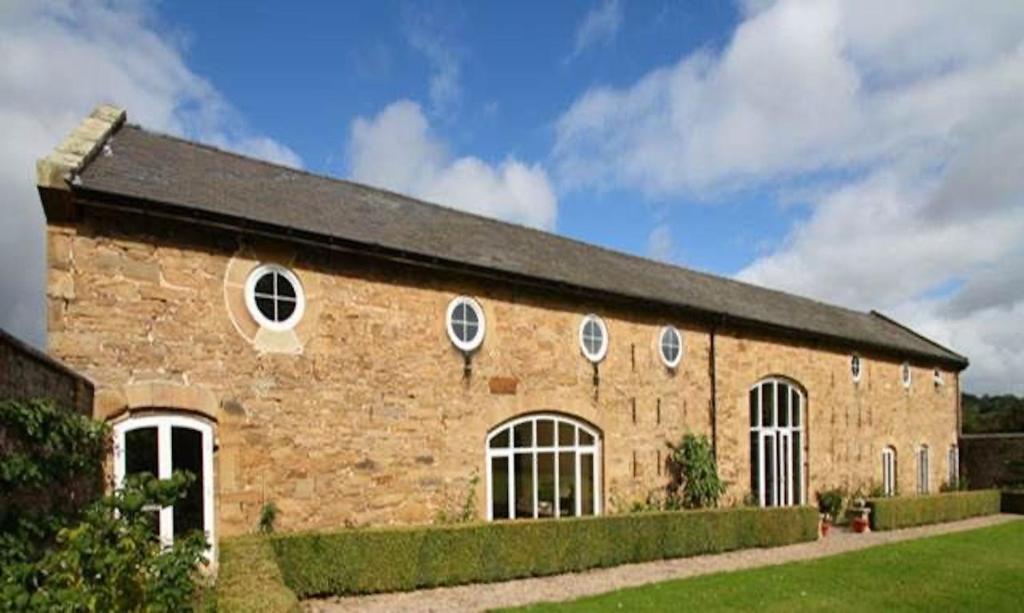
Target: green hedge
(904, 512)
(384, 560)
(1013, 502)
(249, 580)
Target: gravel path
(575, 585)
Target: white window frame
(602, 351)
(937, 377)
(857, 374)
(889, 471)
(778, 433)
(478, 339)
(661, 346)
(906, 374)
(923, 485)
(163, 424)
(578, 450)
(250, 297)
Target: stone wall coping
(57, 170)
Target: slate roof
(147, 170)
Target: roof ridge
(460, 212)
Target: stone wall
(27, 373)
(365, 415)
(987, 458)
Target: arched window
(543, 465)
(889, 471)
(922, 470)
(160, 445)
(777, 443)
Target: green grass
(980, 570)
(249, 579)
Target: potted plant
(859, 512)
(830, 503)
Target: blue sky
(862, 152)
(517, 74)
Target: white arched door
(777, 443)
(160, 445)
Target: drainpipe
(714, 393)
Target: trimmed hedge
(249, 580)
(395, 559)
(1013, 502)
(904, 512)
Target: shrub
(903, 512)
(695, 483)
(249, 579)
(830, 503)
(382, 560)
(268, 515)
(51, 468)
(111, 559)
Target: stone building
(358, 357)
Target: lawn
(981, 570)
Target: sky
(866, 153)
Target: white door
(160, 445)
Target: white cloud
(445, 84)
(60, 60)
(660, 245)
(903, 121)
(600, 25)
(397, 150)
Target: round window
(937, 377)
(593, 338)
(670, 346)
(274, 297)
(465, 322)
(905, 374)
(855, 368)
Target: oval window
(274, 297)
(670, 346)
(593, 338)
(855, 368)
(465, 323)
(905, 374)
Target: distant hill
(1003, 413)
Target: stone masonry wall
(365, 416)
(26, 373)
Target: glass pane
(567, 484)
(187, 455)
(524, 484)
(470, 314)
(469, 331)
(767, 404)
(795, 401)
(755, 463)
(566, 434)
(587, 490)
(783, 476)
(769, 471)
(285, 309)
(798, 466)
(499, 488)
(284, 287)
(586, 438)
(500, 440)
(524, 434)
(545, 433)
(545, 485)
(140, 451)
(266, 307)
(265, 284)
(754, 409)
(782, 402)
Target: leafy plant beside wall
(695, 483)
(462, 512)
(268, 515)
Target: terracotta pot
(826, 525)
(860, 525)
